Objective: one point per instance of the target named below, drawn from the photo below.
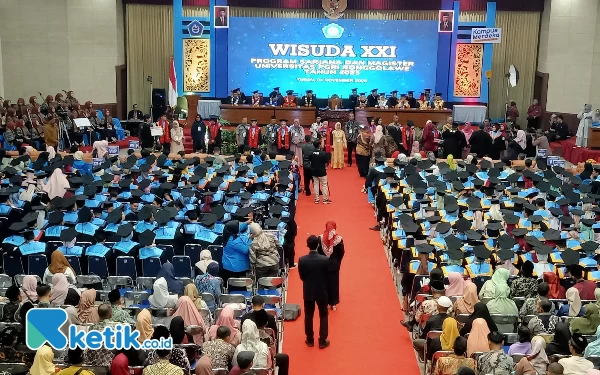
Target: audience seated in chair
(523, 346)
(434, 323)
(258, 304)
(531, 303)
(76, 360)
(449, 365)
(544, 322)
(576, 364)
(220, 351)
(573, 307)
(495, 361)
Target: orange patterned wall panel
(467, 70)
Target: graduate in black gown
(454, 142)
(332, 246)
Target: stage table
(340, 115)
(593, 138)
(474, 114)
(235, 113)
(418, 116)
(306, 115)
(207, 108)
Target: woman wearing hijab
(501, 304)
(28, 289)
(57, 184)
(517, 146)
(479, 311)
(79, 164)
(143, 324)
(205, 260)
(467, 130)
(456, 285)
(60, 264)
(573, 307)
(226, 319)
(236, 249)
(499, 279)
(378, 144)
(43, 363)
(160, 298)
(251, 342)
(264, 253)
(87, 311)
(174, 285)
(177, 138)
(451, 163)
(100, 149)
(332, 246)
(210, 283)
(478, 337)
(537, 357)
(192, 292)
(180, 336)
(71, 301)
(526, 284)
(560, 342)
(466, 304)
(587, 324)
(191, 316)
(431, 137)
(446, 340)
(593, 348)
(60, 287)
(120, 365)
(557, 291)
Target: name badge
(350, 131)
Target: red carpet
(365, 332)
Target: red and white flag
(172, 84)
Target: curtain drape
(150, 44)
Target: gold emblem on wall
(196, 65)
(334, 9)
(467, 70)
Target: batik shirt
(495, 362)
(219, 352)
(121, 316)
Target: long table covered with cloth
(235, 113)
(418, 116)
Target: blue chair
(12, 264)
(182, 266)
(118, 129)
(168, 252)
(151, 267)
(75, 263)
(99, 114)
(216, 252)
(37, 264)
(267, 286)
(126, 267)
(193, 252)
(97, 266)
(240, 282)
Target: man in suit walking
(313, 269)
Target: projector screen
(331, 57)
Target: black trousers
(351, 148)
(307, 177)
(309, 313)
(362, 162)
(199, 145)
(241, 149)
(533, 123)
(283, 151)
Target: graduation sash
(253, 136)
(283, 137)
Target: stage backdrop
(331, 56)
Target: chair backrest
(505, 320)
(126, 267)
(418, 283)
(193, 251)
(239, 282)
(12, 264)
(102, 295)
(462, 318)
(151, 267)
(37, 264)
(13, 368)
(168, 251)
(269, 282)
(236, 313)
(271, 299)
(527, 318)
(182, 267)
(479, 281)
(261, 371)
(137, 295)
(510, 338)
(232, 298)
(19, 279)
(437, 355)
(5, 280)
(75, 263)
(119, 282)
(136, 370)
(97, 266)
(220, 371)
(145, 283)
(595, 359)
(216, 251)
(87, 280)
(205, 313)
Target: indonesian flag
(172, 84)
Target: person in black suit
(221, 20)
(373, 99)
(135, 114)
(445, 23)
(314, 273)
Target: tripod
(62, 133)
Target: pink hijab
(478, 337)
(467, 130)
(87, 311)
(28, 289)
(101, 148)
(521, 139)
(226, 319)
(456, 286)
(60, 288)
(57, 185)
(191, 316)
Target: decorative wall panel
(467, 75)
(196, 65)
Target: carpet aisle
(365, 331)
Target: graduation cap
(162, 217)
(541, 163)
(455, 254)
(114, 216)
(397, 201)
(533, 241)
(425, 248)
(243, 212)
(453, 242)
(84, 215)
(146, 238)
(443, 227)
(552, 235)
(589, 246)
(471, 169)
(513, 178)
(18, 227)
(272, 222)
(494, 226)
(570, 257)
(55, 217)
(462, 225)
(219, 211)
(425, 164)
(587, 222)
(505, 254)
(482, 252)
(125, 230)
(208, 220)
(506, 242)
(535, 219)
(409, 226)
(68, 234)
(473, 235)
(578, 212)
(543, 249)
(144, 184)
(485, 164)
(284, 164)
(567, 220)
(555, 211)
(519, 232)
(145, 213)
(450, 206)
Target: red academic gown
(283, 138)
(166, 136)
(253, 136)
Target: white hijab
(160, 298)
(521, 139)
(57, 185)
(101, 148)
(378, 133)
(205, 260)
(51, 152)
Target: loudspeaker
(159, 98)
(158, 111)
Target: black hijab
(72, 297)
(560, 342)
(587, 171)
(527, 269)
(177, 329)
(174, 285)
(231, 229)
(480, 310)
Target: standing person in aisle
(351, 129)
(318, 161)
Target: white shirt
(576, 365)
(68, 273)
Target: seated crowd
(498, 262)
(53, 123)
(197, 247)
